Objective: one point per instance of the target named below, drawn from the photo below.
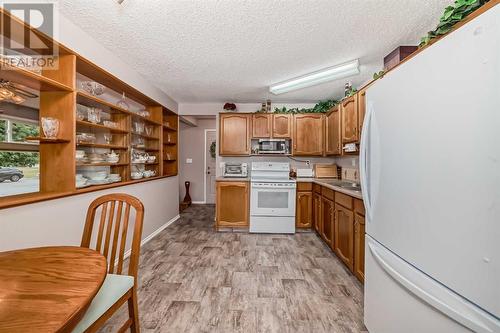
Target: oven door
(272, 199)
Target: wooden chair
(118, 287)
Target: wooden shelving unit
(169, 142)
(59, 97)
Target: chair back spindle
(112, 231)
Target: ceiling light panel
(325, 75)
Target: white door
(430, 161)
(210, 139)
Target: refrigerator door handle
(363, 160)
(433, 293)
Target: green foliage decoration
(321, 107)
(451, 16)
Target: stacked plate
(98, 177)
(80, 181)
(96, 158)
(114, 177)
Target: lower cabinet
(328, 221)
(344, 235)
(339, 220)
(303, 218)
(317, 219)
(359, 247)
(232, 204)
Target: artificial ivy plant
(321, 107)
(452, 15)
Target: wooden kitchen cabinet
(333, 144)
(359, 247)
(317, 219)
(308, 134)
(304, 209)
(232, 204)
(261, 125)
(234, 134)
(282, 126)
(349, 114)
(328, 221)
(361, 110)
(344, 235)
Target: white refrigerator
(430, 169)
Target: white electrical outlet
(189, 160)
(308, 162)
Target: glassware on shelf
(94, 115)
(139, 142)
(122, 103)
(144, 113)
(110, 123)
(108, 138)
(81, 112)
(112, 157)
(138, 127)
(93, 88)
(85, 138)
(149, 130)
(50, 127)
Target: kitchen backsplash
(348, 164)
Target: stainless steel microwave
(273, 146)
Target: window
(19, 159)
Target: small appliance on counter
(234, 169)
(305, 173)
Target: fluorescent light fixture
(325, 75)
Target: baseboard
(198, 202)
(151, 236)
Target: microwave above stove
(271, 146)
(235, 169)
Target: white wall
(61, 221)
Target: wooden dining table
(48, 289)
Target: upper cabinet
(282, 126)
(333, 144)
(234, 134)
(361, 109)
(308, 134)
(261, 125)
(271, 126)
(349, 111)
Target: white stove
(272, 198)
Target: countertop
(333, 184)
(232, 179)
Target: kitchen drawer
(304, 187)
(327, 193)
(343, 200)
(317, 188)
(359, 207)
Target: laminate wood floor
(193, 279)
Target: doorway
(210, 165)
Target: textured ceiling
(232, 50)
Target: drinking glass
(108, 138)
(50, 127)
